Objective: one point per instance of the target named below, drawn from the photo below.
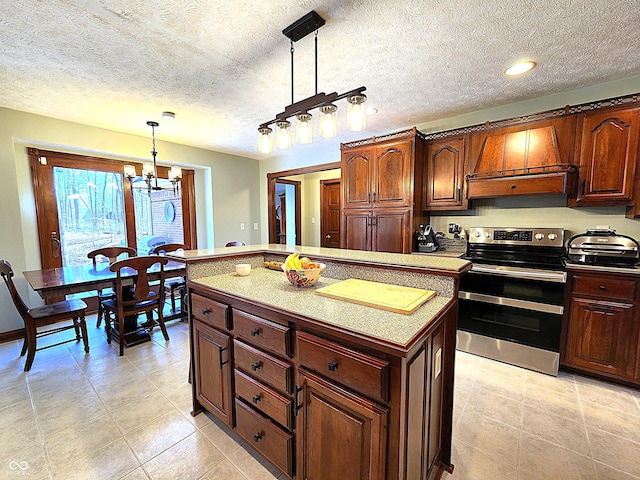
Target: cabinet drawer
(356, 370)
(262, 366)
(609, 288)
(265, 399)
(265, 436)
(262, 333)
(214, 314)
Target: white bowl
(243, 269)
(304, 278)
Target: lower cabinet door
(599, 336)
(341, 434)
(213, 371)
(275, 443)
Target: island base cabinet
(213, 371)
(340, 434)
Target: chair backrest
(7, 274)
(167, 248)
(112, 253)
(234, 244)
(142, 288)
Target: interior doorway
(287, 210)
(303, 219)
(330, 213)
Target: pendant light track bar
(303, 26)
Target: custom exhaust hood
(520, 161)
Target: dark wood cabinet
(341, 434)
(607, 153)
(444, 174)
(380, 193)
(603, 327)
(380, 230)
(213, 377)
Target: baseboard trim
(11, 335)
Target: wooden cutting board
(378, 295)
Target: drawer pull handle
(206, 311)
(256, 398)
(513, 186)
(257, 437)
(332, 365)
(256, 366)
(255, 332)
(602, 287)
(297, 407)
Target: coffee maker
(426, 239)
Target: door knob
(328, 236)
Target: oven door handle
(557, 277)
(512, 302)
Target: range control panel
(544, 237)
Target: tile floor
(107, 417)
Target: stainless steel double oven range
(511, 301)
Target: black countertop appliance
(426, 239)
(603, 247)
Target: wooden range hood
(522, 162)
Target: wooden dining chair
(112, 253)
(39, 317)
(131, 300)
(171, 285)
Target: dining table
(54, 283)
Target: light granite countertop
(430, 262)
(272, 288)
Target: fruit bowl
(304, 277)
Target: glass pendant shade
(304, 132)
(175, 173)
(328, 125)
(265, 144)
(148, 170)
(356, 113)
(129, 171)
(283, 137)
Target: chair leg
(76, 327)
(121, 333)
(24, 344)
(162, 326)
(31, 346)
(83, 329)
(107, 326)
(173, 300)
(101, 313)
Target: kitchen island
(324, 388)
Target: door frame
(273, 178)
(323, 205)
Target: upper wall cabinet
(443, 182)
(607, 152)
(525, 159)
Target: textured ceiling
(224, 66)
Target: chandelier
(150, 170)
(327, 124)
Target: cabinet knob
(332, 366)
(256, 398)
(257, 437)
(255, 332)
(602, 287)
(513, 186)
(256, 366)
(206, 311)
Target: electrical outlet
(255, 226)
(242, 226)
(313, 220)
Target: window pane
(90, 212)
(158, 218)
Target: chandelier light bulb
(129, 171)
(304, 132)
(148, 170)
(283, 137)
(328, 124)
(265, 144)
(175, 174)
(356, 113)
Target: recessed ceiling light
(519, 68)
(371, 111)
(169, 115)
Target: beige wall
(227, 189)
